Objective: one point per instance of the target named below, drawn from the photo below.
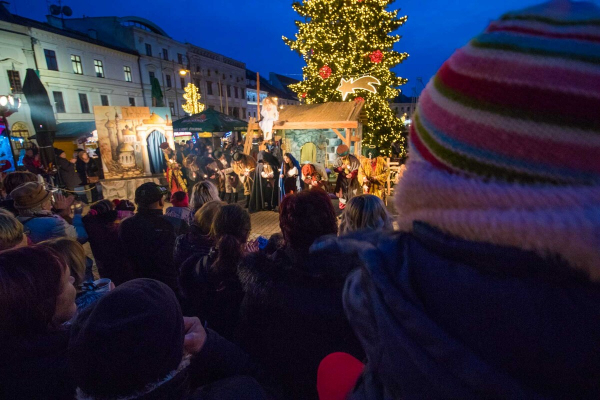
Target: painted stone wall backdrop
(325, 141)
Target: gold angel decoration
(192, 98)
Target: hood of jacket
(441, 317)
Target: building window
(104, 100)
(51, 59)
(180, 58)
(83, 101)
(208, 72)
(76, 63)
(127, 71)
(132, 101)
(152, 76)
(224, 76)
(14, 79)
(228, 91)
(209, 88)
(148, 49)
(172, 107)
(168, 78)
(59, 103)
(182, 80)
(197, 83)
(165, 54)
(198, 69)
(99, 67)
(235, 90)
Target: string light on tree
(192, 97)
(354, 39)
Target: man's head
(342, 150)
(16, 179)
(150, 196)
(306, 216)
(29, 152)
(11, 232)
(31, 197)
(60, 153)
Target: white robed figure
(269, 115)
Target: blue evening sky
(251, 30)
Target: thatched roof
(319, 116)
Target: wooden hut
(311, 132)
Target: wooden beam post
(339, 135)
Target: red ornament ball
(304, 95)
(358, 99)
(376, 56)
(325, 71)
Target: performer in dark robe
(290, 178)
(208, 170)
(265, 191)
(347, 167)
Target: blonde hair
(204, 217)
(365, 212)
(71, 253)
(11, 230)
(269, 100)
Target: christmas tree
(351, 39)
(192, 98)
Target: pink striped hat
(520, 102)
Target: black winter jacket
(292, 315)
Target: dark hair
(306, 216)
(178, 196)
(230, 229)
(17, 178)
(30, 283)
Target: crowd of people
(486, 285)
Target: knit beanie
(29, 195)
(58, 152)
(504, 143)
(130, 338)
(520, 102)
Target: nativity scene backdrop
(129, 139)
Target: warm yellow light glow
(192, 98)
(182, 72)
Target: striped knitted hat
(519, 103)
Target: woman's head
(11, 232)
(289, 159)
(31, 197)
(16, 179)
(365, 212)
(72, 254)
(306, 216)
(202, 193)
(230, 229)
(84, 156)
(36, 292)
(179, 199)
(205, 216)
(102, 207)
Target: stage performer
(208, 170)
(245, 166)
(229, 180)
(174, 175)
(265, 191)
(347, 167)
(373, 172)
(290, 176)
(269, 115)
(314, 177)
